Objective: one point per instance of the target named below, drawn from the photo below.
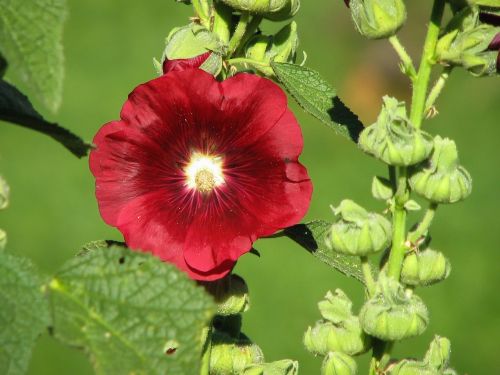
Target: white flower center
(204, 172)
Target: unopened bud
(391, 314)
(393, 139)
(424, 268)
(281, 47)
(346, 337)
(283, 367)
(230, 294)
(357, 231)
(232, 356)
(410, 367)
(268, 8)
(442, 179)
(376, 19)
(336, 307)
(336, 363)
(438, 355)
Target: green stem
(207, 348)
(436, 89)
(398, 249)
(250, 31)
(239, 33)
(424, 72)
(409, 68)
(222, 21)
(424, 225)
(367, 273)
(202, 10)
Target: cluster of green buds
(4, 202)
(436, 361)
(377, 19)
(472, 39)
(338, 336)
(225, 38)
(231, 351)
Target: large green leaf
(23, 313)
(311, 236)
(130, 312)
(16, 108)
(316, 96)
(30, 39)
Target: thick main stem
(424, 72)
(239, 33)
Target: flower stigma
(204, 172)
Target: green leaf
(23, 313)
(311, 236)
(30, 40)
(131, 313)
(316, 96)
(16, 108)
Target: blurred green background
(109, 48)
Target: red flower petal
(141, 162)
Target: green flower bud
(442, 179)
(358, 232)
(3, 239)
(424, 268)
(376, 19)
(393, 139)
(336, 307)
(391, 314)
(381, 188)
(4, 193)
(287, 12)
(264, 7)
(338, 364)
(409, 367)
(281, 47)
(230, 357)
(230, 294)
(470, 49)
(438, 355)
(346, 337)
(283, 367)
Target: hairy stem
(202, 10)
(398, 249)
(424, 225)
(239, 32)
(409, 68)
(243, 60)
(250, 31)
(367, 273)
(436, 89)
(424, 71)
(221, 25)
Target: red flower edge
(143, 165)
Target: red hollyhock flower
(196, 170)
(183, 64)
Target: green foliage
(23, 314)
(311, 236)
(16, 108)
(30, 40)
(317, 97)
(130, 312)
